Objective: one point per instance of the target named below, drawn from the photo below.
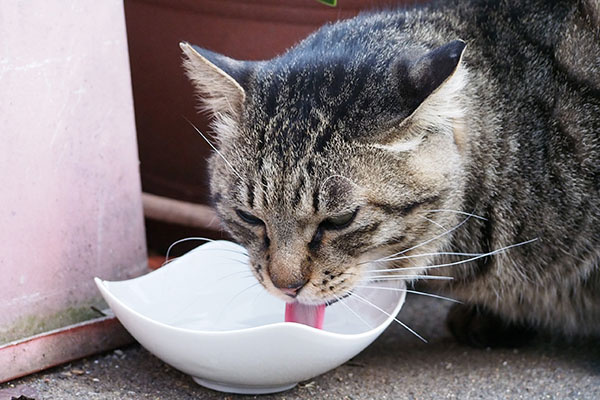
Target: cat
(436, 134)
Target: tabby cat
(440, 133)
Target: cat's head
(327, 161)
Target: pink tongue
(305, 314)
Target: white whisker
(440, 253)
(261, 185)
(241, 253)
(389, 315)
(168, 261)
(392, 277)
(237, 295)
(491, 253)
(258, 294)
(184, 240)
(243, 262)
(215, 149)
(341, 301)
(429, 240)
(459, 212)
(389, 257)
(410, 291)
(432, 221)
(247, 276)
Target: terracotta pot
(172, 155)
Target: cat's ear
(433, 85)
(432, 71)
(218, 79)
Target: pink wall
(70, 205)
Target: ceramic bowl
(206, 315)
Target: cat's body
(349, 147)
(535, 169)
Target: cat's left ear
(219, 79)
(432, 85)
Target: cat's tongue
(306, 314)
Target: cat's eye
(336, 222)
(249, 218)
(340, 221)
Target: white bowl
(206, 315)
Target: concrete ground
(396, 366)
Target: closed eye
(336, 222)
(340, 221)
(249, 218)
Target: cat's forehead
(302, 117)
(299, 95)
(307, 185)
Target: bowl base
(243, 389)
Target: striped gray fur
(391, 115)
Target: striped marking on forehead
(292, 188)
(257, 192)
(299, 109)
(296, 116)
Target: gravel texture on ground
(396, 366)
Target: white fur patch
(225, 127)
(440, 112)
(444, 106)
(402, 145)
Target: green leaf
(331, 3)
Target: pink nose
(290, 291)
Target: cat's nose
(291, 289)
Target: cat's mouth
(307, 314)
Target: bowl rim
(105, 291)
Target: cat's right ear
(432, 86)
(218, 79)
